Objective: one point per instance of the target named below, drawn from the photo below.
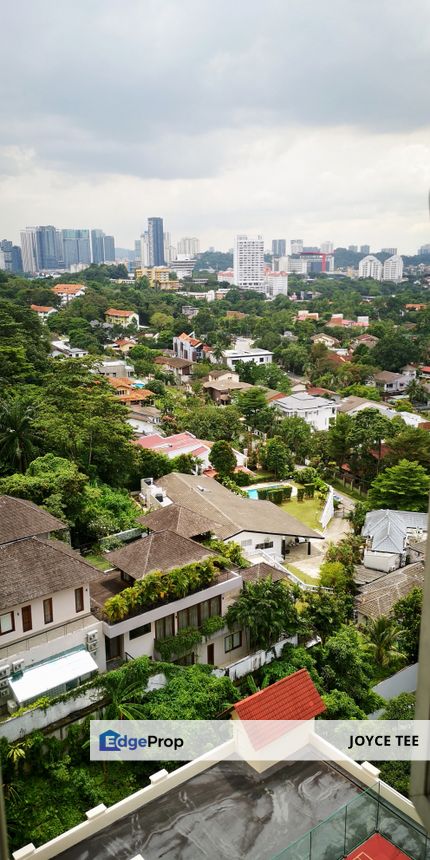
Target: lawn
(308, 511)
(305, 577)
(350, 492)
(98, 561)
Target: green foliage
(266, 610)
(383, 635)
(231, 551)
(297, 435)
(222, 458)
(231, 485)
(358, 515)
(340, 706)
(191, 694)
(404, 487)
(402, 707)
(325, 612)
(212, 625)
(333, 574)
(157, 588)
(344, 666)
(276, 458)
(17, 435)
(177, 646)
(407, 615)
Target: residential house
(184, 443)
(368, 340)
(189, 311)
(181, 368)
(388, 535)
(123, 318)
(304, 315)
(378, 598)
(190, 347)
(318, 412)
(260, 527)
(129, 392)
(235, 315)
(144, 419)
(49, 641)
(326, 339)
(338, 320)
(67, 292)
(43, 311)
(137, 634)
(62, 349)
(115, 368)
(122, 345)
(394, 383)
(221, 390)
(352, 405)
(244, 351)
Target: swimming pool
(253, 493)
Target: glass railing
(349, 827)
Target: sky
(288, 118)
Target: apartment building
(248, 262)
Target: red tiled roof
(68, 289)
(42, 309)
(113, 312)
(291, 698)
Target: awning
(51, 674)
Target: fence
(353, 825)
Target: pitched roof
(42, 309)
(158, 551)
(352, 402)
(388, 529)
(229, 512)
(302, 402)
(67, 289)
(292, 698)
(114, 312)
(22, 519)
(178, 519)
(387, 376)
(378, 598)
(173, 361)
(261, 571)
(34, 567)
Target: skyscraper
(279, 247)
(370, 267)
(30, 250)
(144, 249)
(296, 246)
(189, 246)
(97, 249)
(156, 242)
(248, 262)
(393, 269)
(391, 251)
(76, 247)
(12, 258)
(326, 247)
(353, 248)
(109, 249)
(42, 248)
(365, 249)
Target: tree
(407, 615)
(275, 457)
(368, 430)
(325, 612)
(339, 439)
(334, 575)
(358, 515)
(410, 444)
(382, 634)
(16, 434)
(344, 665)
(404, 487)
(340, 706)
(402, 707)
(251, 403)
(266, 611)
(222, 457)
(297, 435)
(395, 350)
(191, 694)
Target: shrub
(212, 625)
(176, 646)
(262, 493)
(300, 494)
(309, 491)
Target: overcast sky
(291, 118)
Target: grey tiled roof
(157, 551)
(178, 519)
(378, 598)
(21, 519)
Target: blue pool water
(253, 494)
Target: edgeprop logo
(112, 741)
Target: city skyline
(300, 142)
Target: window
(140, 631)
(164, 627)
(48, 612)
(266, 545)
(196, 615)
(26, 618)
(7, 623)
(79, 599)
(232, 642)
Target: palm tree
(125, 698)
(266, 611)
(382, 634)
(16, 432)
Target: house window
(267, 544)
(140, 631)
(26, 618)
(7, 623)
(48, 612)
(233, 641)
(164, 627)
(196, 615)
(79, 599)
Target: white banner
(260, 740)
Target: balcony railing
(350, 827)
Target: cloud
(265, 115)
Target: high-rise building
(393, 269)
(296, 246)
(353, 249)
(30, 250)
(365, 249)
(12, 257)
(424, 250)
(276, 284)
(156, 242)
(326, 247)
(76, 247)
(370, 267)
(391, 251)
(279, 247)
(97, 248)
(144, 249)
(42, 248)
(189, 246)
(248, 262)
(109, 249)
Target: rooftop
(388, 529)
(22, 519)
(387, 376)
(42, 309)
(34, 567)
(173, 361)
(292, 698)
(68, 289)
(178, 519)
(232, 513)
(114, 312)
(157, 551)
(302, 402)
(262, 570)
(378, 598)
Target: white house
(115, 368)
(318, 412)
(62, 349)
(67, 292)
(243, 350)
(395, 383)
(389, 535)
(49, 640)
(43, 311)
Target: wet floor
(227, 813)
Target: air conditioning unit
(4, 670)
(92, 636)
(4, 693)
(17, 666)
(92, 646)
(4, 685)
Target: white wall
(384, 561)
